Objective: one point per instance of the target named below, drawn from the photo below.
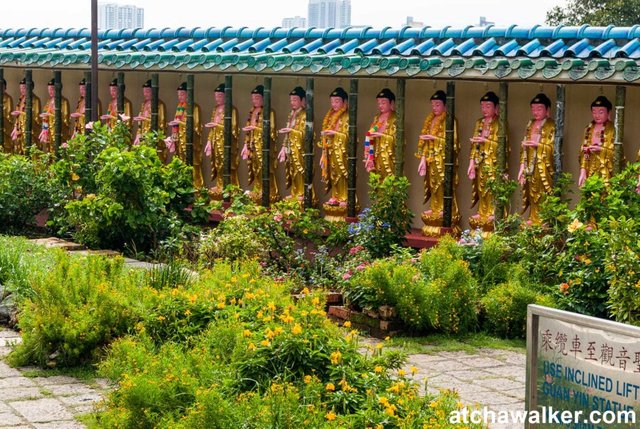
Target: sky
(254, 13)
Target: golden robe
(20, 122)
(80, 122)
(294, 148)
(334, 153)
(538, 168)
(112, 110)
(485, 157)
(434, 153)
(6, 120)
(599, 163)
(144, 127)
(254, 140)
(216, 137)
(385, 146)
(179, 134)
(49, 122)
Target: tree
(621, 13)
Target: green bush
(505, 309)
(77, 308)
(25, 190)
(233, 240)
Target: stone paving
(42, 402)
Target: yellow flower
(265, 343)
(271, 306)
(161, 318)
(251, 346)
(315, 301)
(379, 346)
(331, 416)
(575, 225)
(391, 410)
(305, 291)
(402, 372)
(413, 370)
(336, 357)
(187, 312)
(297, 329)
(330, 387)
(220, 305)
(378, 369)
(307, 379)
(246, 333)
(74, 177)
(347, 324)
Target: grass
(470, 343)
(87, 374)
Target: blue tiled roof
(474, 52)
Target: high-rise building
(112, 16)
(296, 21)
(329, 13)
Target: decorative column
(89, 101)
(559, 139)
(28, 127)
(57, 103)
(400, 127)
(228, 94)
(154, 101)
(351, 148)
(266, 142)
(189, 124)
(2, 110)
(502, 143)
(618, 122)
(449, 156)
(308, 147)
(120, 93)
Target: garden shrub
(25, 190)
(232, 240)
(370, 287)
(138, 200)
(20, 263)
(505, 309)
(78, 307)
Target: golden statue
(536, 157)
(252, 149)
(215, 144)
(292, 152)
(48, 115)
(431, 151)
(79, 116)
(483, 162)
(144, 121)
(335, 131)
(380, 140)
(7, 103)
(112, 108)
(18, 136)
(596, 152)
(177, 140)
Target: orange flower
(564, 288)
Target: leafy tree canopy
(621, 13)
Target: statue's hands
(583, 177)
(14, 134)
(105, 117)
(595, 148)
(248, 128)
(284, 130)
(75, 114)
(427, 137)
(422, 168)
(328, 133)
(42, 136)
(375, 134)
(16, 113)
(282, 155)
(471, 171)
(208, 148)
(369, 164)
(478, 139)
(136, 142)
(171, 146)
(245, 152)
(521, 178)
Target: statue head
(23, 87)
(297, 98)
(218, 94)
(600, 110)
(82, 87)
(489, 104)
(338, 98)
(540, 107)
(113, 89)
(386, 100)
(4, 85)
(182, 92)
(257, 96)
(146, 90)
(439, 102)
(51, 88)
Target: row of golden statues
(536, 150)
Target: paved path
(491, 378)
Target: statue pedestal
(334, 213)
(433, 225)
(256, 197)
(215, 193)
(483, 224)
